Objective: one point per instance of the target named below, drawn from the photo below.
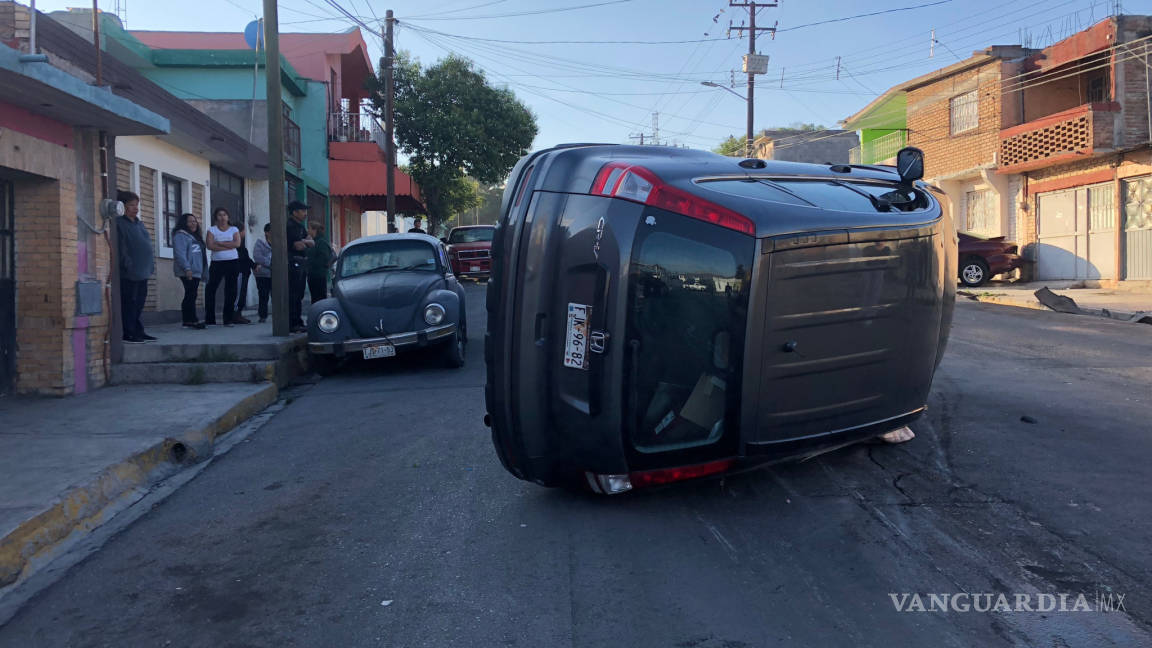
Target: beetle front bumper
(398, 340)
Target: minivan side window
(687, 313)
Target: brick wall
(41, 362)
(929, 121)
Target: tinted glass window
(757, 189)
(828, 195)
(388, 256)
(688, 300)
(471, 235)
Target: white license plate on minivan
(378, 351)
(576, 347)
(475, 268)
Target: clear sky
(584, 90)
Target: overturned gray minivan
(660, 314)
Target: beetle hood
(380, 303)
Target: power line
(532, 13)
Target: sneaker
(132, 339)
(240, 319)
(147, 338)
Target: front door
(7, 290)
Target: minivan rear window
(834, 195)
(687, 311)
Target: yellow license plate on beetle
(378, 351)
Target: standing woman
(244, 267)
(222, 241)
(188, 261)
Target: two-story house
(954, 115)
(1080, 140)
(1047, 147)
(341, 140)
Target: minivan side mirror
(910, 164)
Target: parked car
(391, 293)
(470, 250)
(982, 258)
(827, 299)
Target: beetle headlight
(329, 321)
(433, 314)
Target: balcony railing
(1072, 134)
(355, 127)
(291, 143)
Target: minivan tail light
(637, 184)
(668, 475)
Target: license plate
(576, 347)
(379, 351)
(475, 269)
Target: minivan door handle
(598, 341)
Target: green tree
(732, 147)
(452, 123)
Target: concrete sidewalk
(1122, 304)
(69, 464)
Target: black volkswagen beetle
(392, 292)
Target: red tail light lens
(635, 183)
(668, 475)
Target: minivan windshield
(384, 256)
(471, 235)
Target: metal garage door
(1076, 229)
(1138, 228)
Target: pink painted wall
(25, 121)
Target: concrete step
(278, 371)
(209, 352)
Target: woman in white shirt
(222, 241)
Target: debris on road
(385, 603)
(1028, 419)
(1058, 303)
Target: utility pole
(276, 214)
(751, 65)
(389, 125)
(639, 136)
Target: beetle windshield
(383, 256)
(470, 235)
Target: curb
(1023, 302)
(80, 510)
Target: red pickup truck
(470, 250)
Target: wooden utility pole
(752, 29)
(276, 214)
(389, 123)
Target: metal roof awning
(367, 180)
(49, 91)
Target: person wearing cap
(298, 243)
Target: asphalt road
(372, 511)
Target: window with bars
(964, 111)
(980, 213)
(1099, 88)
(1101, 208)
(173, 193)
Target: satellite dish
(254, 34)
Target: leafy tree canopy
(452, 123)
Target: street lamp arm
(710, 84)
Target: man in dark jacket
(134, 248)
(298, 243)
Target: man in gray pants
(134, 245)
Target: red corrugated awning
(365, 176)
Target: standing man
(137, 264)
(416, 229)
(298, 244)
(319, 263)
